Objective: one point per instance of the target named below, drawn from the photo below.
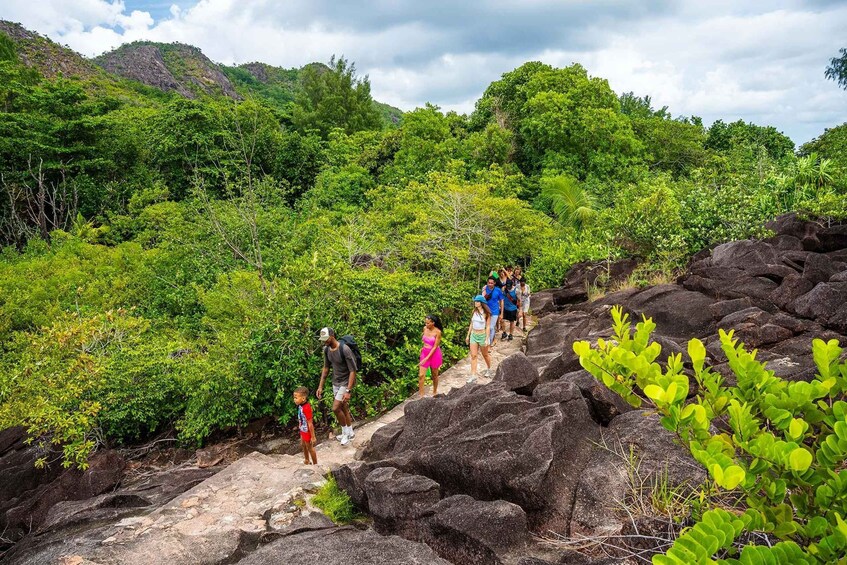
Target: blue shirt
(493, 298)
(509, 305)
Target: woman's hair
(436, 321)
(485, 309)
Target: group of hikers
(502, 303)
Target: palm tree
(572, 205)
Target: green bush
(555, 259)
(780, 444)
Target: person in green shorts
(479, 335)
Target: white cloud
(760, 61)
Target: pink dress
(434, 361)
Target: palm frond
(571, 204)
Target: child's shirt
(304, 415)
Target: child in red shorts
(307, 428)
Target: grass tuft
(335, 503)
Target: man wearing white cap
(339, 356)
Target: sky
(760, 61)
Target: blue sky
(760, 61)
(158, 9)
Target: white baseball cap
(326, 333)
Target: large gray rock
(517, 373)
(464, 530)
(396, 500)
(634, 455)
(344, 546)
(30, 509)
(491, 443)
(677, 311)
(819, 268)
(791, 288)
(744, 254)
(216, 521)
(826, 303)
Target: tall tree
(334, 97)
(837, 69)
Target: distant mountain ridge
(168, 67)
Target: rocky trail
(522, 469)
(222, 516)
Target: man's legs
(341, 409)
(347, 415)
(493, 334)
(338, 410)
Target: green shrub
(555, 259)
(335, 503)
(781, 444)
(143, 388)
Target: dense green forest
(167, 262)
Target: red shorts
(306, 437)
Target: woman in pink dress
(430, 353)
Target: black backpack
(349, 341)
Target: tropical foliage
(780, 444)
(167, 262)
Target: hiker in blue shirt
(511, 304)
(494, 298)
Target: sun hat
(479, 298)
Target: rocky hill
(169, 67)
(46, 56)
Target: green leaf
(797, 428)
(655, 392)
(800, 459)
(697, 352)
(785, 529)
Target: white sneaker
(472, 379)
(345, 440)
(351, 435)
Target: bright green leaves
(796, 429)
(716, 530)
(697, 354)
(742, 421)
(728, 478)
(628, 362)
(826, 355)
(799, 459)
(781, 444)
(669, 389)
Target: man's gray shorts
(338, 392)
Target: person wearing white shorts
(338, 392)
(340, 358)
